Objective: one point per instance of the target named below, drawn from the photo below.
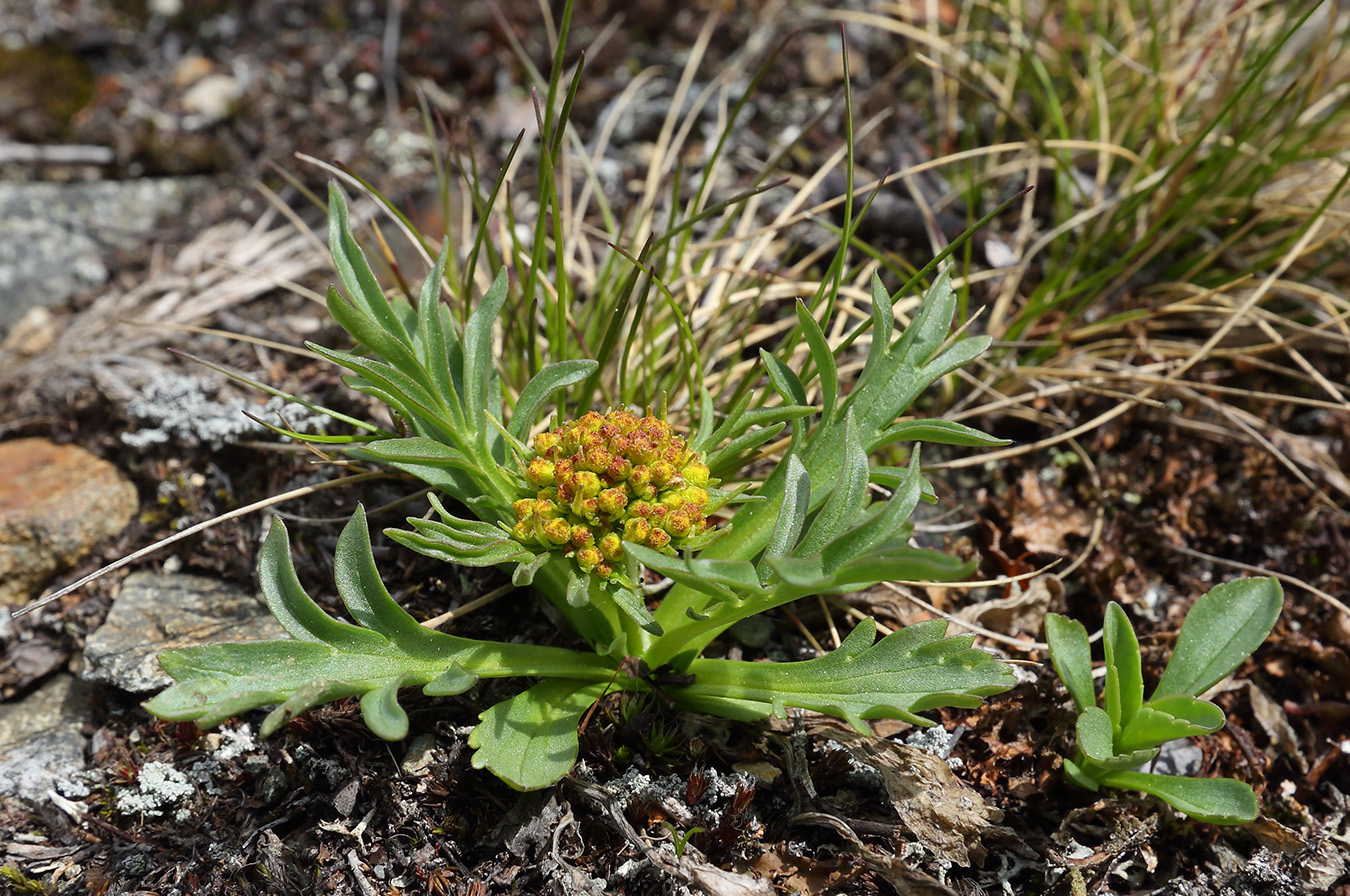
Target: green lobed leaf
(1169, 718)
(1071, 654)
(354, 271)
(407, 396)
(1223, 628)
(906, 672)
(432, 461)
(846, 501)
(366, 598)
(784, 381)
(887, 526)
(446, 542)
(634, 605)
(730, 455)
(303, 619)
(330, 660)
(435, 342)
(1124, 690)
(1212, 800)
(883, 318)
(724, 579)
(530, 740)
(1075, 773)
(375, 339)
(893, 564)
(929, 330)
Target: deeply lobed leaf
(906, 672)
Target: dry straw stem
(110, 344)
(194, 530)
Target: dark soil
(326, 807)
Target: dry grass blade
(108, 345)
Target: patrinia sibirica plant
(588, 511)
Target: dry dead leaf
(1020, 613)
(797, 874)
(1042, 518)
(895, 870)
(942, 812)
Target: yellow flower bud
(588, 558)
(611, 546)
(663, 473)
(604, 478)
(612, 501)
(636, 529)
(696, 474)
(540, 473)
(555, 530)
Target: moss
(21, 882)
(41, 89)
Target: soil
(326, 807)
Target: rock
(154, 612)
(41, 745)
(54, 237)
(212, 98)
(56, 503)
(191, 69)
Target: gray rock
(40, 741)
(154, 612)
(54, 237)
(56, 503)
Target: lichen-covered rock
(56, 503)
(153, 612)
(41, 744)
(55, 238)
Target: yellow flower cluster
(606, 478)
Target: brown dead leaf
(1020, 613)
(1042, 518)
(897, 872)
(797, 874)
(942, 812)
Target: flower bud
(556, 530)
(606, 478)
(540, 473)
(588, 558)
(679, 524)
(663, 473)
(612, 501)
(636, 529)
(611, 546)
(586, 484)
(696, 474)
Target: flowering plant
(589, 512)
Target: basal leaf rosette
(604, 479)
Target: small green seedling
(1223, 628)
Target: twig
(193, 530)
